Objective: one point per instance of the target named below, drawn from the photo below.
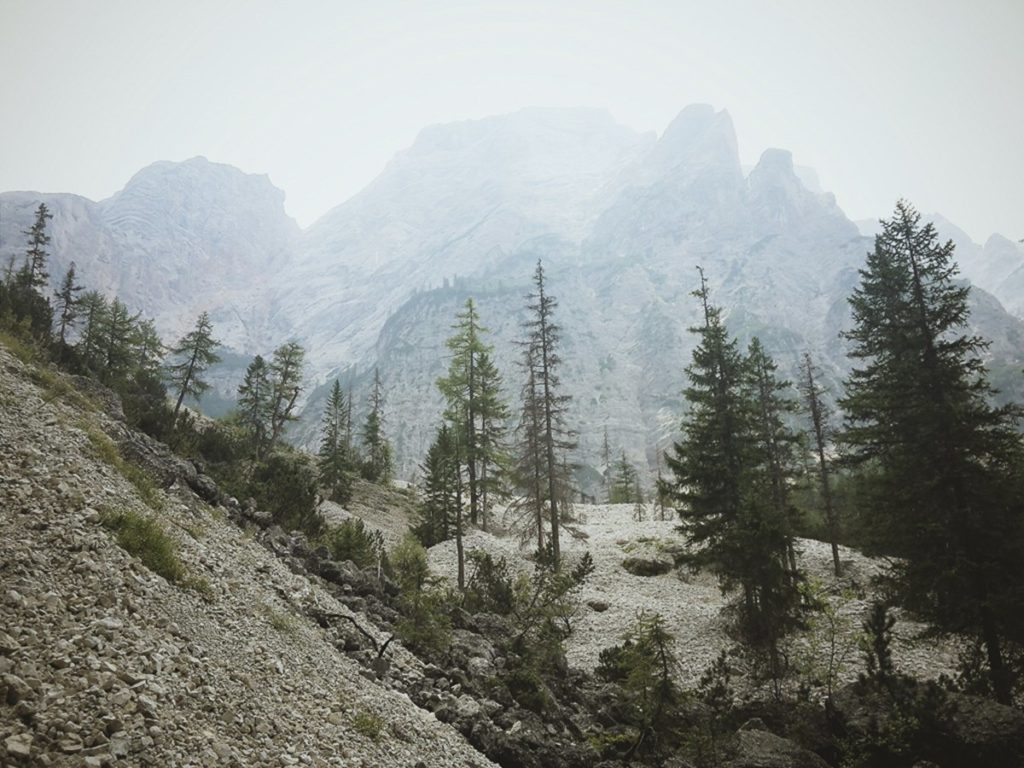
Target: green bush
(490, 588)
(352, 540)
(285, 485)
(409, 564)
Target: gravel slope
(103, 662)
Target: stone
(19, 745)
(762, 749)
(8, 644)
(646, 566)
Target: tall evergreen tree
(443, 495)
(821, 432)
(625, 480)
(529, 459)
(491, 451)
(728, 469)
(33, 274)
(67, 306)
(285, 387)
(94, 309)
(472, 389)
(148, 346)
(195, 353)
(551, 406)
(606, 466)
(946, 462)
(117, 336)
(334, 461)
(254, 404)
(377, 465)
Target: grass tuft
(144, 538)
(106, 451)
(368, 724)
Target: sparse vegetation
(145, 538)
(368, 724)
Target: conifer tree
(285, 387)
(117, 335)
(816, 408)
(947, 487)
(254, 404)
(551, 435)
(67, 306)
(195, 353)
(730, 471)
(491, 451)
(530, 456)
(149, 348)
(625, 481)
(33, 274)
(606, 465)
(441, 512)
(377, 466)
(472, 390)
(94, 309)
(334, 461)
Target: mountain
(180, 238)
(621, 220)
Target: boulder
(757, 748)
(646, 566)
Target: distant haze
(884, 100)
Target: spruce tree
(254, 404)
(625, 481)
(148, 348)
(195, 353)
(117, 335)
(67, 306)
(946, 492)
(333, 459)
(285, 387)
(440, 479)
(467, 409)
(94, 309)
(731, 469)
(491, 451)
(377, 464)
(552, 437)
(33, 274)
(816, 408)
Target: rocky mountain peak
(698, 138)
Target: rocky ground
(692, 603)
(103, 662)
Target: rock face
(103, 662)
(621, 220)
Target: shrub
(285, 485)
(368, 724)
(490, 588)
(352, 540)
(409, 564)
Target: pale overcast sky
(918, 99)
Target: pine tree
(195, 351)
(529, 460)
(334, 461)
(625, 480)
(606, 466)
(117, 334)
(441, 512)
(254, 404)
(552, 437)
(148, 347)
(816, 408)
(94, 309)
(730, 474)
(472, 390)
(67, 306)
(945, 462)
(285, 387)
(491, 451)
(377, 466)
(33, 274)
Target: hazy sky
(885, 99)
